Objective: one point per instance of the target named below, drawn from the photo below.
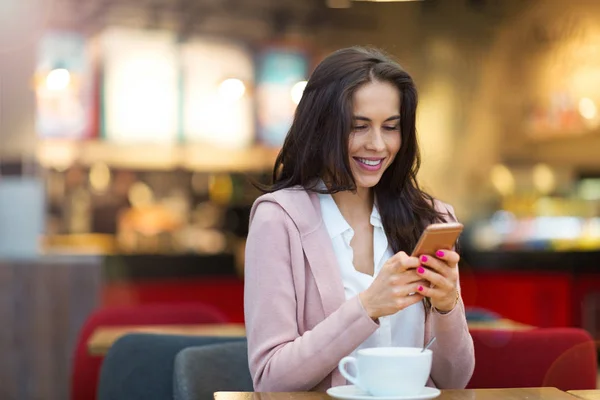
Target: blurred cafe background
(131, 132)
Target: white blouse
(406, 328)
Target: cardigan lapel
(324, 267)
(305, 210)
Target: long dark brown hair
(316, 145)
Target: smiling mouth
(371, 163)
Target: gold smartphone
(438, 237)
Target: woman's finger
(434, 278)
(407, 301)
(450, 257)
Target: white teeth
(370, 162)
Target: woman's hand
(442, 274)
(391, 289)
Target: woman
(327, 270)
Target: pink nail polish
(424, 258)
(421, 270)
(420, 288)
(439, 253)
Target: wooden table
(472, 394)
(586, 394)
(103, 337)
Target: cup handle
(342, 367)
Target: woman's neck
(355, 206)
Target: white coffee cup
(389, 371)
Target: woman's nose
(375, 141)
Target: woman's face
(375, 139)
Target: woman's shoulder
(295, 203)
(282, 194)
(282, 197)
(445, 209)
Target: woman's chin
(367, 182)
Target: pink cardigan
(299, 324)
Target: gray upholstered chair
(140, 366)
(201, 371)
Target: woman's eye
(392, 128)
(360, 127)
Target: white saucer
(351, 392)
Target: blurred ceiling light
(99, 177)
(502, 179)
(58, 79)
(339, 3)
(543, 178)
(297, 91)
(232, 89)
(587, 108)
(140, 195)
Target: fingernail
(424, 258)
(439, 253)
(420, 288)
(421, 270)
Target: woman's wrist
(446, 310)
(363, 298)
